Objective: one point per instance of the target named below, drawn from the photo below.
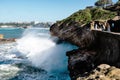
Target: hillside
(79, 19)
(87, 15)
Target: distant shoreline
(25, 24)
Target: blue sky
(40, 10)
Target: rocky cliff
(95, 47)
(104, 49)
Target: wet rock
(79, 62)
(106, 72)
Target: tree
(103, 3)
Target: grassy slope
(87, 15)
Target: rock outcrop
(102, 72)
(96, 48)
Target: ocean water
(34, 56)
(11, 32)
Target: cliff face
(95, 47)
(105, 49)
(73, 34)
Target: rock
(74, 34)
(104, 66)
(79, 62)
(106, 72)
(114, 73)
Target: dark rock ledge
(95, 48)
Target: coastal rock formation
(102, 72)
(105, 50)
(72, 34)
(96, 48)
(79, 62)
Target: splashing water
(44, 53)
(35, 56)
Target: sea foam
(43, 52)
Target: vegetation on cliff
(87, 15)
